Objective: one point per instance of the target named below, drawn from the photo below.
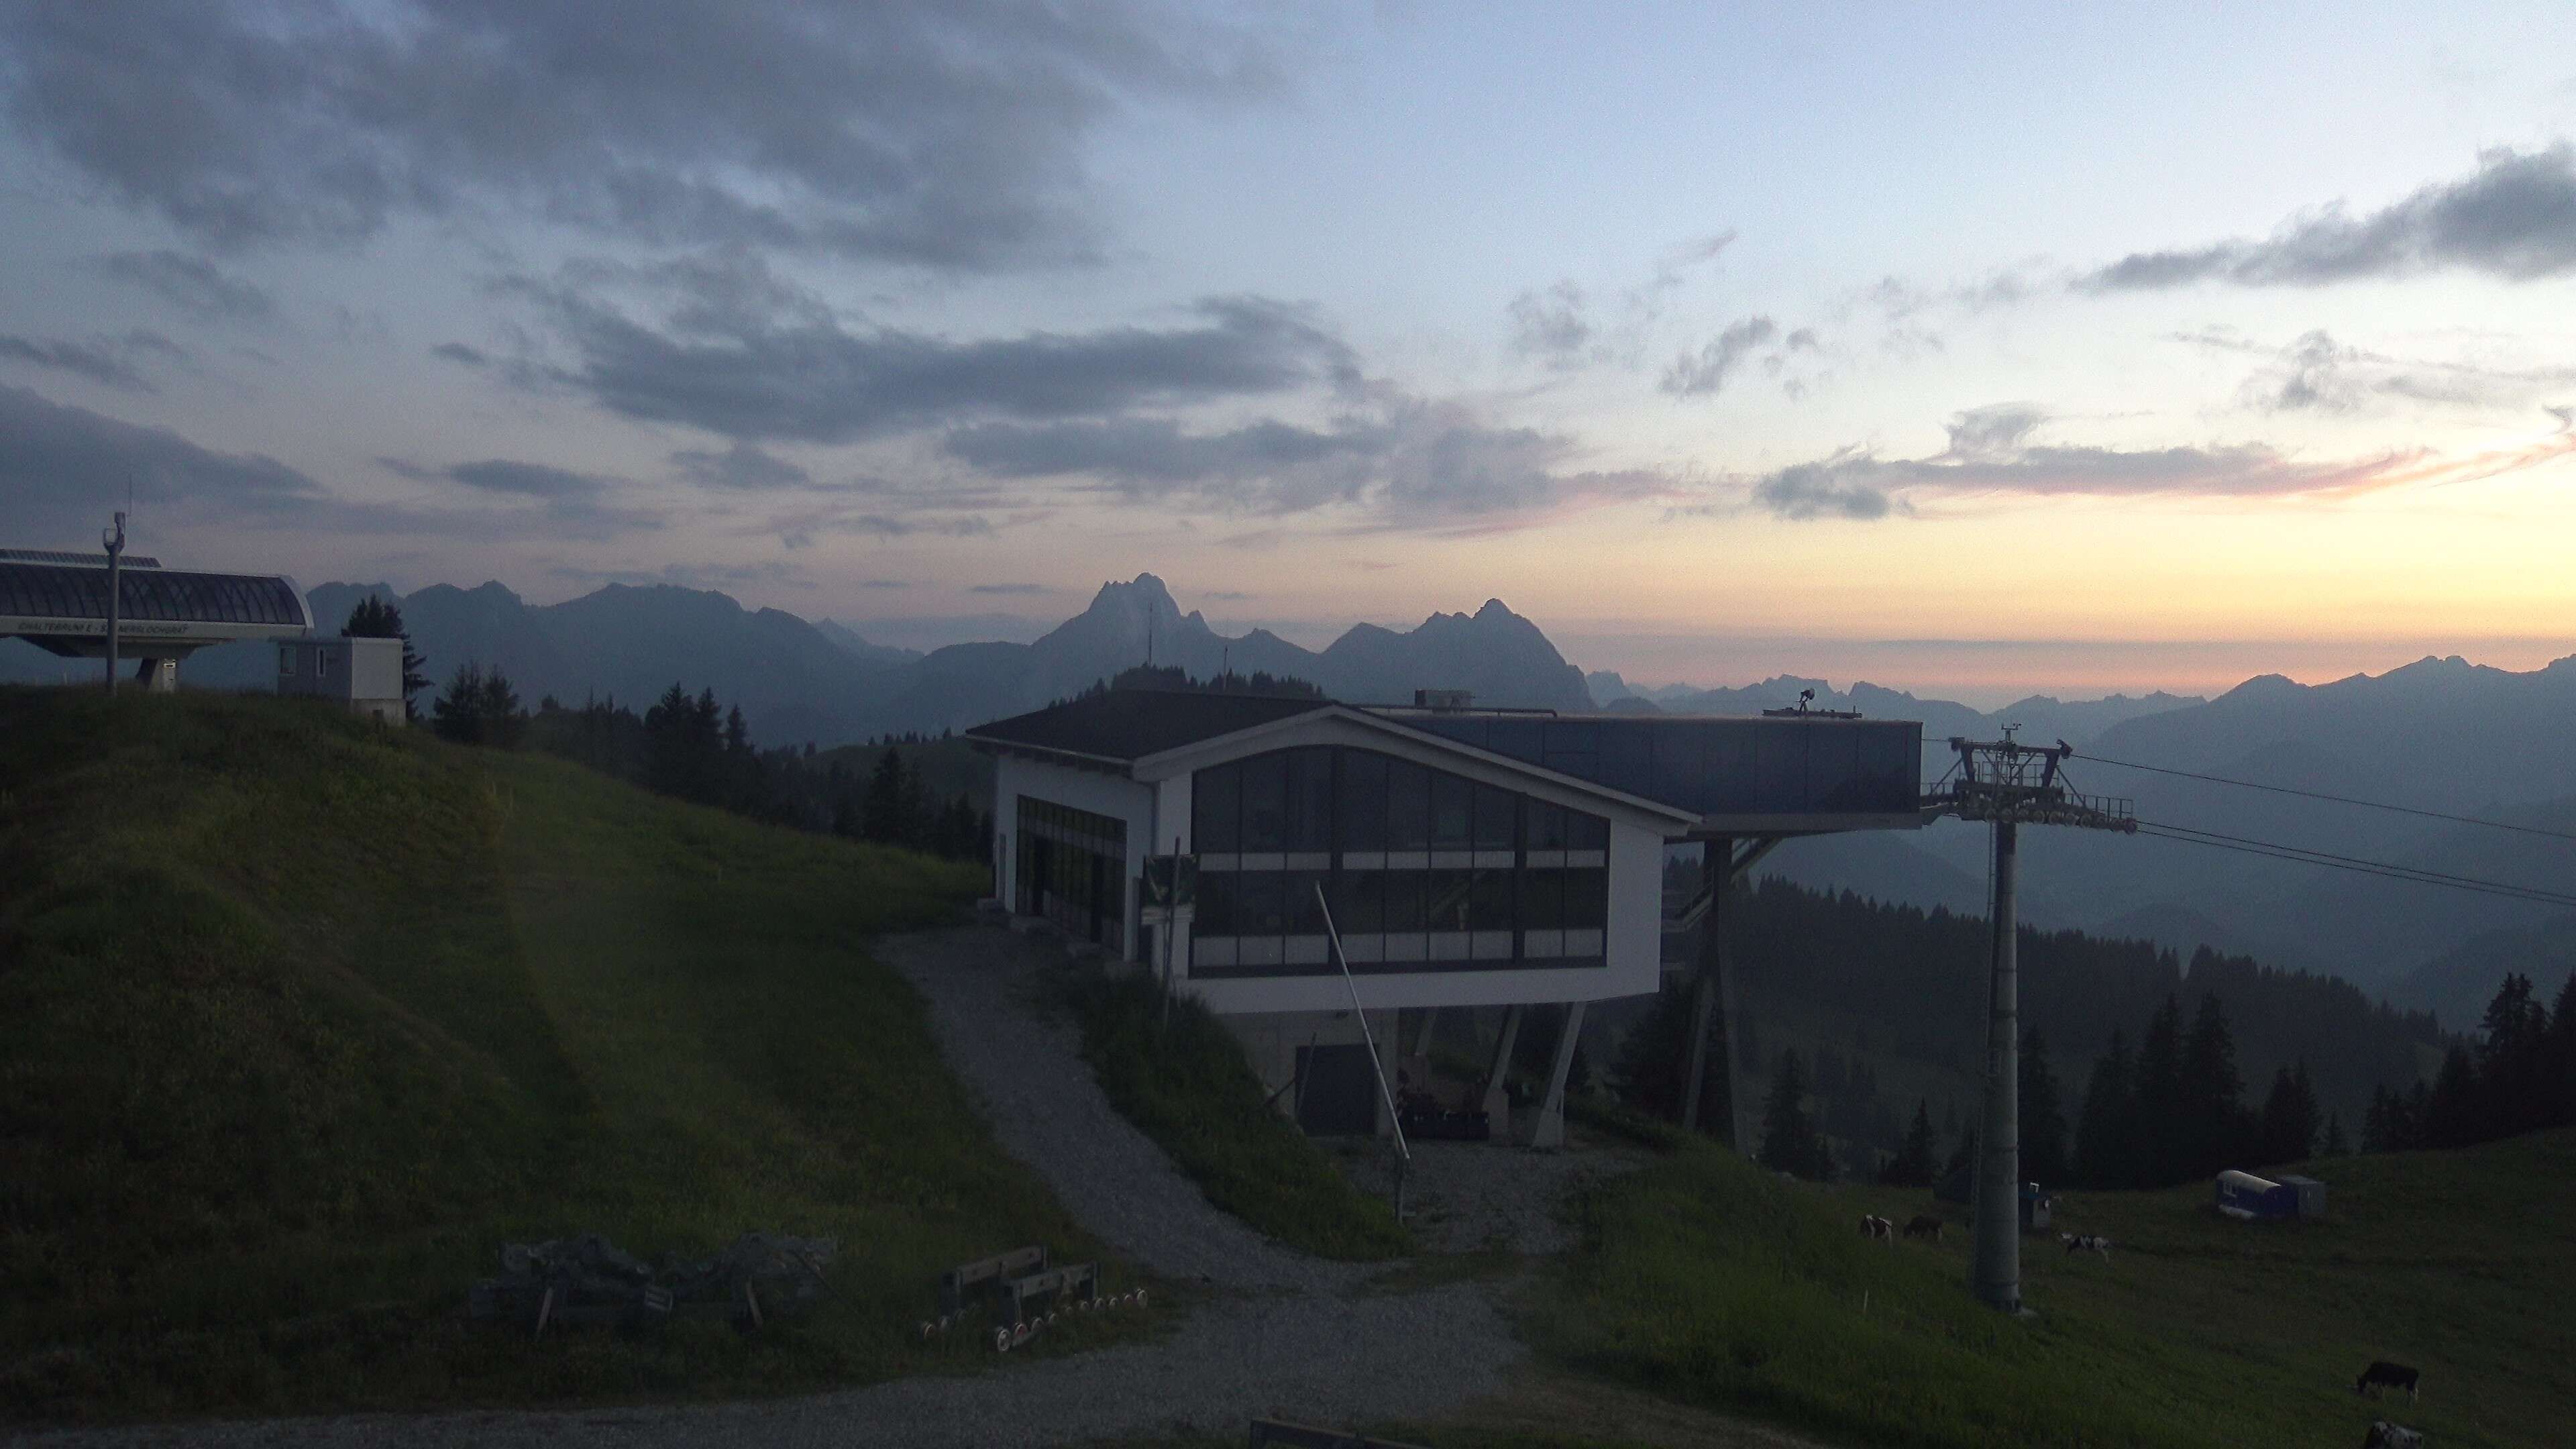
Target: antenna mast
(2009, 784)
(115, 544)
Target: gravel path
(1025, 1063)
(1284, 1336)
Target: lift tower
(2009, 784)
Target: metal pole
(1717, 868)
(1996, 1274)
(115, 588)
(1171, 919)
(1403, 1154)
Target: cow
(2385, 1375)
(1873, 1226)
(1924, 1226)
(2385, 1435)
(2086, 1243)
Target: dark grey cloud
(1819, 490)
(559, 502)
(193, 284)
(458, 352)
(1704, 373)
(1406, 462)
(2513, 218)
(931, 132)
(691, 576)
(1551, 325)
(1990, 453)
(741, 467)
(64, 468)
(100, 362)
(756, 377)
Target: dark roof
(52, 591)
(1129, 724)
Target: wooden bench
(996, 1270)
(1267, 1432)
(1070, 1282)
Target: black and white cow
(2385, 1375)
(2093, 1243)
(2385, 1435)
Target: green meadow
(302, 1019)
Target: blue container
(2244, 1196)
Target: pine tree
(2561, 1057)
(2335, 1146)
(2106, 1143)
(2451, 1116)
(2044, 1158)
(1789, 1141)
(2289, 1131)
(2162, 1114)
(2218, 1131)
(1914, 1163)
(889, 805)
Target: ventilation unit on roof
(1443, 699)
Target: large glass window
(1423, 869)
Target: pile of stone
(587, 1279)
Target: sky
(1976, 350)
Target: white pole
(1403, 1154)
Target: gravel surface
(1460, 1197)
(1285, 1334)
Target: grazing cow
(1924, 1226)
(2385, 1375)
(2086, 1243)
(2385, 1435)
(1873, 1226)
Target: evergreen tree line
(2519, 1076)
(694, 748)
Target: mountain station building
(1468, 857)
(58, 602)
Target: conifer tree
(1789, 1141)
(1914, 1163)
(2289, 1129)
(2044, 1158)
(2161, 1113)
(2217, 1130)
(2106, 1144)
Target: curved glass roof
(50, 591)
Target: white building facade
(1455, 875)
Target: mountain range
(2440, 735)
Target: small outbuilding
(363, 676)
(2247, 1198)
(2312, 1195)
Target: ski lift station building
(1470, 858)
(58, 602)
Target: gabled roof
(1129, 724)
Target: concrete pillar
(1422, 1032)
(1713, 992)
(1498, 1106)
(1549, 1131)
(1996, 1270)
(158, 676)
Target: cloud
(742, 468)
(1990, 453)
(192, 284)
(1405, 462)
(1550, 325)
(458, 352)
(1705, 374)
(2317, 373)
(691, 576)
(566, 503)
(97, 361)
(2513, 218)
(926, 133)
(63, 468)
(1011, 589)
(1995, 431)
(748, 376)
(1819, 490)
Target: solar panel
(56, 556)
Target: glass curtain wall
(1425, 870)
(1073, 870)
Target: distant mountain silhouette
(867, 653)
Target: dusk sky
(1965, 351)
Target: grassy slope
(299, 1022)
(1711, 1283)
(1188, 1087)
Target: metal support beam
(115, 593)
(1714, 990)
(1549, 1131)
(1422, 1032)
(1996, 1271)
(1498, 1103)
